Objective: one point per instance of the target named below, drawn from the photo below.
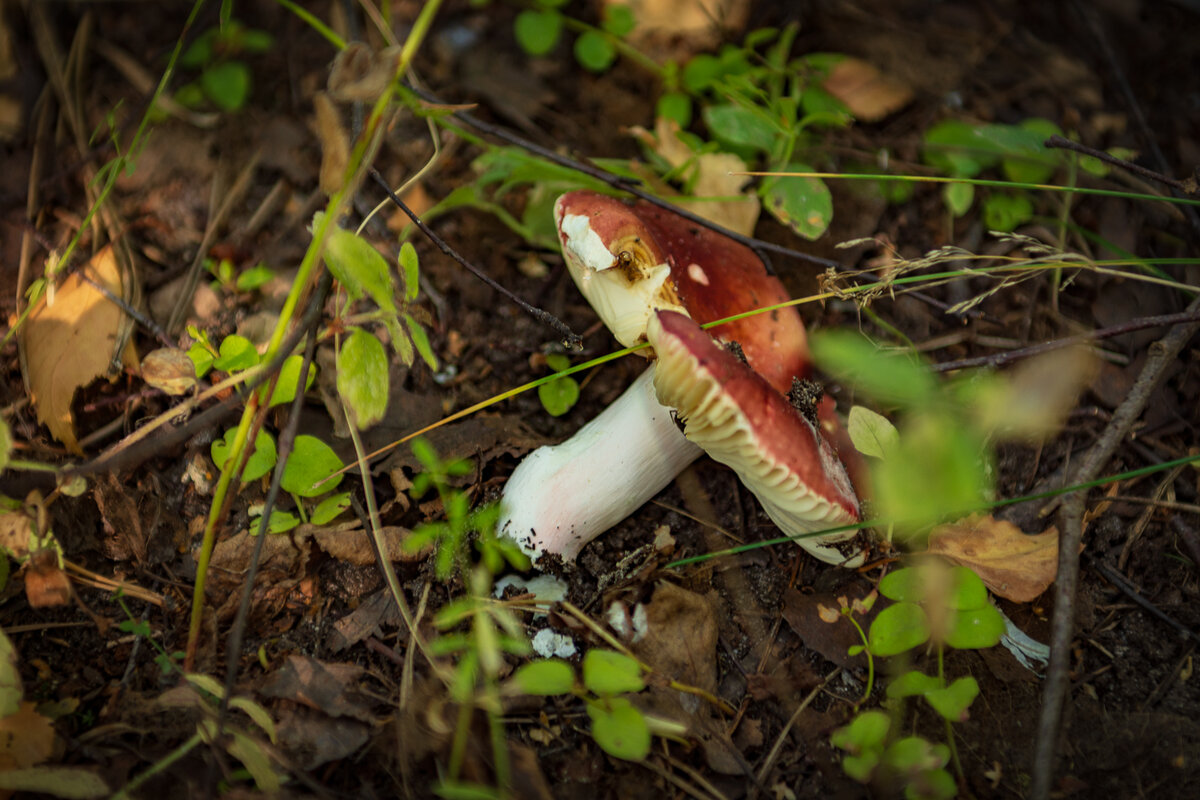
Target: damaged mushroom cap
(742, 422)
(632, 259)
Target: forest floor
(359, 713)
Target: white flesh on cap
(714, 421)
(560, 498)
(623, 296)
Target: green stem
(356, 167)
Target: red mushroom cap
(667, 262)
(743, 422)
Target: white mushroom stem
(560, 498)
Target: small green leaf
(607, 672)
(6, 448)
(955, 148)
(410, 270)
(256, 41)
(912, 754)
(537, 31)
(261, 460)
(867, 731)
(1005, 211)
(967, 590)
(618, 19)
(740, 126)
(903, 585)
(226, 84)
(362, 378)
(952, 701)
(676, 106)
(872, 434)
(976, 629)
(237, 354)
(891, 378)
(559, 396)
(958, 197)
(311, 461)
(329, 509)
(202, 358)
(254, 277)
(358, 266)
(803, 204)
(701, 72)
(420, 340)
(199, 52)
(912, 683)
(544, 678)
(289, 376)
(620, 729)
(255, 760)
(190, 95)
(897, 629)
(940, 470)
(594, 51)
(280, 522)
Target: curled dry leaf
(69, 343)
(1013, 564)
(170, 370)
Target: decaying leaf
(711, 175)
(46, 585)
(1012, 564)
(69, 343)
(26, 739)
(169, 369)
(868, 93)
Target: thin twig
(1162, 355)
(769, 761)
(571, 340)
(622, 183)
(233, 648)
(1000, 359)
(1129, 590)
(1066, 144)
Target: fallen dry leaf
(1012, 564)
(868, 93)
(169, 369)
(69, 343)
(711, 176)
(46, 585)
(26, 739)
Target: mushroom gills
(739, 420)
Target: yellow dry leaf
(1012, 564)
(26, 739)
(70, 342)
(868, 93)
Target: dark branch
(1128, 166)
(1001, 359)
